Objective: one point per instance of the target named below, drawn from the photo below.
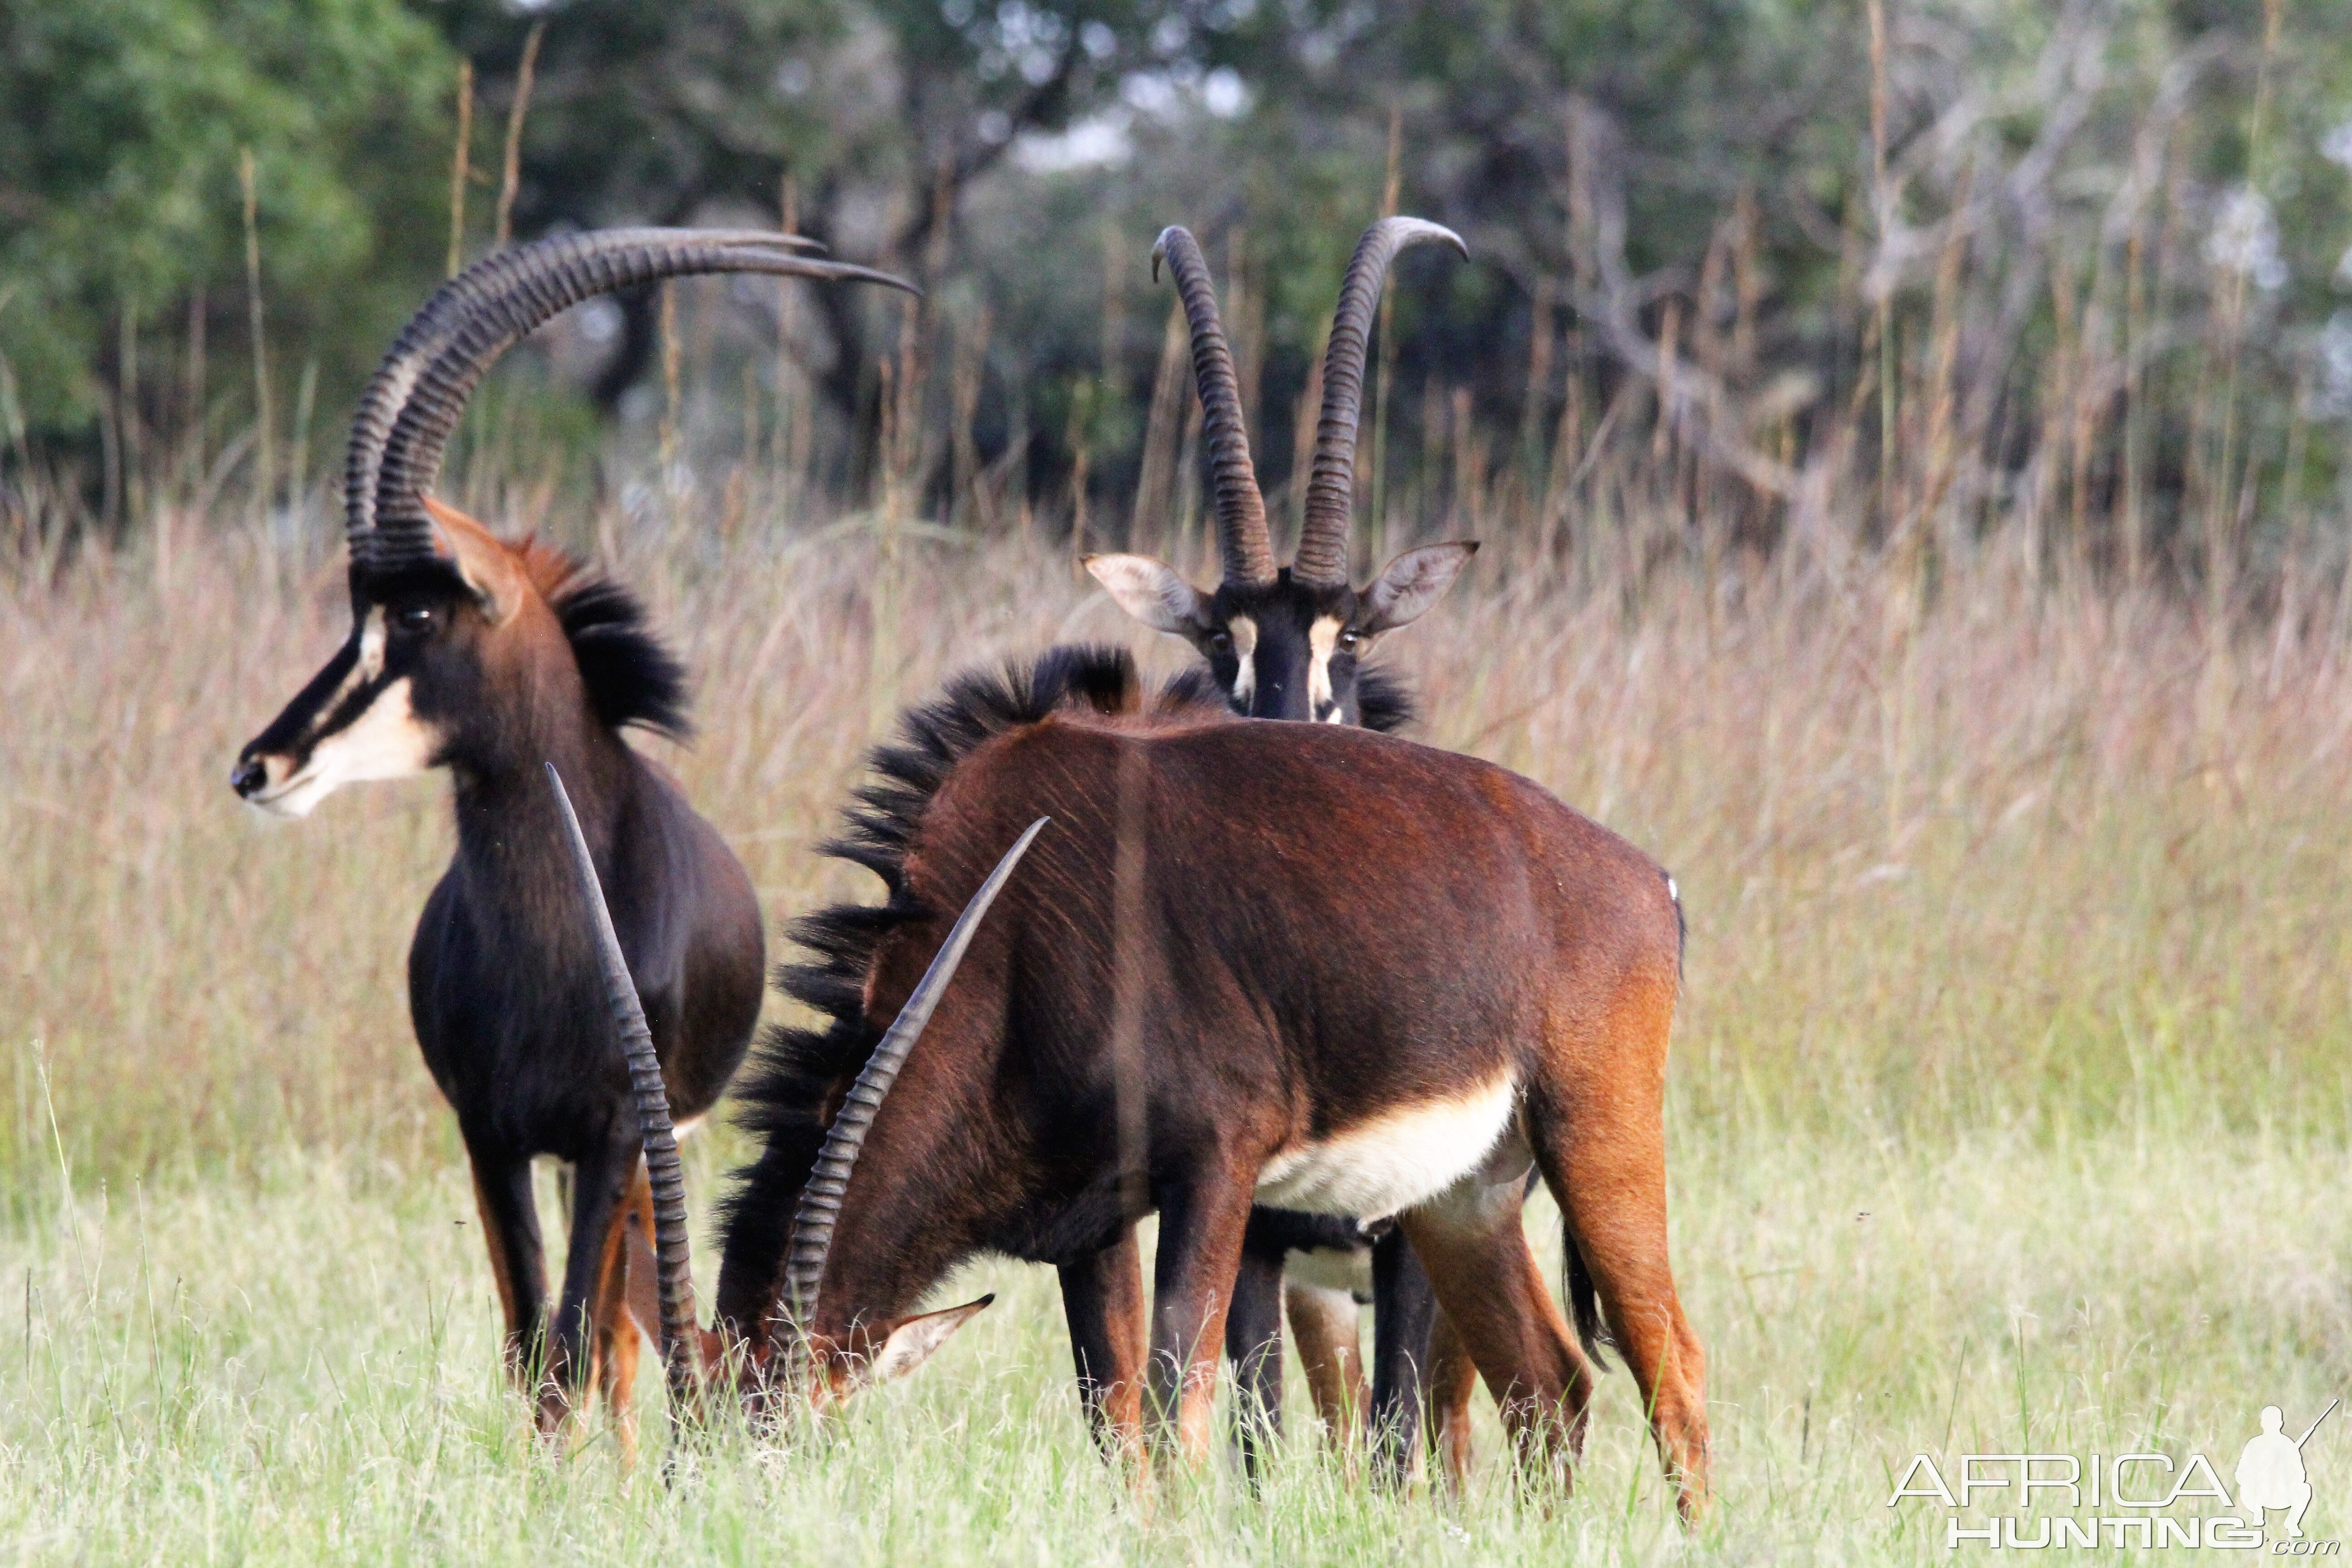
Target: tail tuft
(1583, 1304)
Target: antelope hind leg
(617, 1336)
(1453, 1377)
(1324, 1322)
(1608, 1171)
(1471, 1240)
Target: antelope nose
(247, 777)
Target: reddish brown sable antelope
(491, 659)
(1287, 643)
(1362, 976)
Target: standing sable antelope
(1286, 643)
(1187, 999)
(491, 659)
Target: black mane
(631, 677)
(1384, 701)
(795, 1070)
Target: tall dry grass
(2032, 854)
(2006, 1111)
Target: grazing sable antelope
(491, 659)
(1287, 643)
(1482, 982)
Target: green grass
(2008, 1108)
(301, 1366)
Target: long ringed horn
(411, 409)
(1241, 512)
(1322, 557)
(820, 1206)
(675, 1274)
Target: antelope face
(391, 702)
(367, 715)
(1287, 650)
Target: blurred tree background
(1926, 268)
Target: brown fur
(1331, 925)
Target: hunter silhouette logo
(2034, 1502)
(2271, 1473)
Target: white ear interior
(910, 1344)
(1151, 591)
(1413, 582)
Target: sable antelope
(1356, 976)
(490, 659)
(1287, 643)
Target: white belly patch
(1391, 1162)
(1348, 1271)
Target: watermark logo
(2131, 1499)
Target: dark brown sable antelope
(491, 659)
(1321, 965)
(1287, 643)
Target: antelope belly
(1390, 1162)
(1328, 1268)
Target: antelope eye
(1350, 641)
(412, 617)
(1221, 642)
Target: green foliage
(121, 127)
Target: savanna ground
(2008, 1108)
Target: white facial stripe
(384, 742)
(1321, 639)
(1244, 631)
(1393, 1160)
(371, 664)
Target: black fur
(1583, 1304)
(631, 677)
(1384, 702)
(784, 1091)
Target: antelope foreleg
(1200, 1225)
(601, 1180)
(1102, 1297)
(510, 1217)
(1254, 1344)
(1406, 1306)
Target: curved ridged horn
(820, 1205)
(675, 1274)
(1322, 557)
(412, 407)
(1241, 513)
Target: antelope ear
(487, 566)
(1412, 581)
(910, 1344)
(1151, 591)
